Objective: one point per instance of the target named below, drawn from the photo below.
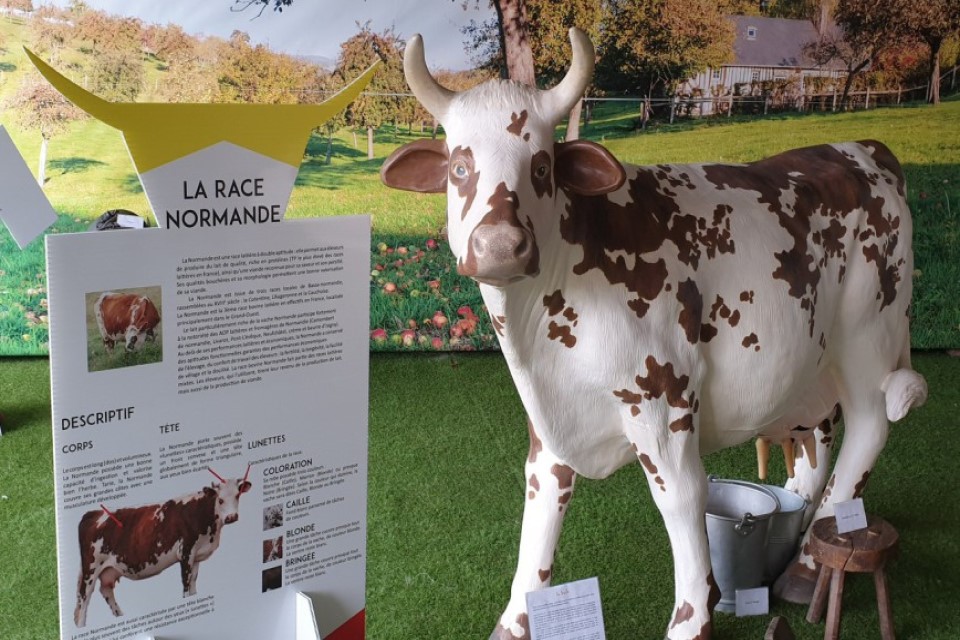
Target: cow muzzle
(230, 519)
(499, 254)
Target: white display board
(238, 356)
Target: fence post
(730, 107)
(866, 101)
(833, 107)
(673, 108)
(766, 103)
(898, 94)
(953, 77)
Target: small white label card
(850, 515)
(570, 611)
(753, 602)
(128, 221)
(23, 207)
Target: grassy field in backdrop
(447, 446)
(89, 172)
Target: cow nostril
(523, 246)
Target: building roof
(774, 42)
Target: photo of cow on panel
(141, 542)
(122, 328)
(273, 549)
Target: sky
(316, 27)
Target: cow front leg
(671, 462)
(84, 590)
(548, 492)
(108, 580)
(188, 576)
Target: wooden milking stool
(863, 551)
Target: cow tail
(904, 388)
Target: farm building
(764, 50)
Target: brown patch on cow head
(564, 475)
(516, 122)
(536, 445)
(500, 248)
(464, 176)
(540, 174)
(691, 303)
(684, 613)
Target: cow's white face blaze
(494, 209)
(228, 499)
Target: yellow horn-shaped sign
(206, 165)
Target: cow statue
(127, 318)
(660, 313)
(140, 542)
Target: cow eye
(220, 500)
(542, 171)
(459, 170)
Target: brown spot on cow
(517, 122)
(564, 475)
(503, 211)
(661, 381)
(648, 464)
(498, 323)
(554, 302)
(691, 303)
(534, 482)
(523, 621)
(684, 613)
(570, 315)
(545, 574)
(683, 423)
(860, 486)
(464, 176)
(562, 333)
(751, 341)
(746, 296)
(707, 332)
(536, 445)
(540, 174)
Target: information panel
(210, 429)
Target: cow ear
(586, 168)
(417, 166)
(245, 486)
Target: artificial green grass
(447, 445)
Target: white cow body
(661, 313)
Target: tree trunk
(517, 54)
(436, 127)
(354, 132)
(934, 97)
(369, 143)
(329, 147)
(573, 123)
(42, 164)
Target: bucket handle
(746, 525)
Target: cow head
(500, 167)
(228, 492)
(143, 320)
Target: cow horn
(247, 473)
(434, 97)
(216, 474)
(558, 101)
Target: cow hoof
(500, 633)
(796, 584)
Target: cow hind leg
(108, 580)
(548, 491)
(797, 582)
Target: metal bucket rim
(750, 485)
(770, 488)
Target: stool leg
(819, 600)
(883, 604)
(832, 632)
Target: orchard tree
(652, 45)
(933, 22)
(37, 105)
(49, 30)
(381, 101)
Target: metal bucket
(783, 533)
(738, 518)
